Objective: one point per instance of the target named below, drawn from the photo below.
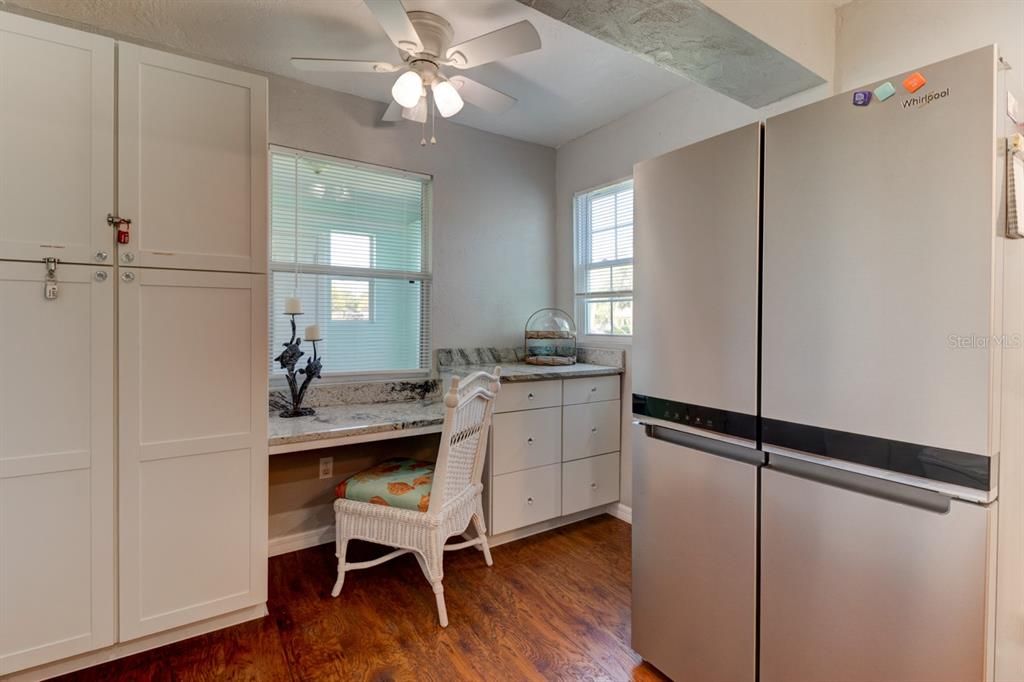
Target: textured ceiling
(687, 38)
(573, 84)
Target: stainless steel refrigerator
(891, 384)
(695, 457)
(841, 290)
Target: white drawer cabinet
(590, 482)
(590, 429)
(590, 390)
(528, 439)
(543, 432)
(532, 395)
(526, 497)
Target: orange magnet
(914, 82)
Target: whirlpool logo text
(924, 99)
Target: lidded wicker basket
(550, 338)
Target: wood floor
(553, 607)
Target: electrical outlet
(326, 467)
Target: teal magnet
(884, 91)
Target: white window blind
(604, 259)
(351, 241)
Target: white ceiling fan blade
(344, 65)
(393, 113)
(505, 42)
(391, 16)
(479, 95)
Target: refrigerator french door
(695, 456)
(883, 308)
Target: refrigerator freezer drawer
(857, 586)
(694, 561)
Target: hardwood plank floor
(554, 606)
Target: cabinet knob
(593, 430)
(127, 276)
(128, 257)
(529, 396)
(529, 500)
(593, 389)
(593, 486)
(100, 276)
(529, 440)
(101, 256)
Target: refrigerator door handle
(706, 445)
(928, 500)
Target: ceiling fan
(424, 42)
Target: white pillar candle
(292, 306)
(313, 332)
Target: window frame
(581, 269)
(332, 273)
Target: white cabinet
(528, 439)
(56, 464)
(56, 142)
(590, 429)
(554, 450)
(193, 446)
(590, 482)
(192, 163)
(526, 497)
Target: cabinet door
(526, 497)
(56, 465)
(192, 163)
(193, 446)
(56, 141)
(590, 482)
(527, 439)
(590, 429)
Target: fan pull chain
(433, 120)
(423, 135)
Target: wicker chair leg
(341, 546)
(481, 532)
(442, 610)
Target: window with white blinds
(603, 220)
(351, 242)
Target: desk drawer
(530, 395)
(590, 429)
(591, 389)
(527, 439)
(526, 497)
(590, 482)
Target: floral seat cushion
(396, 482)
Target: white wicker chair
(455, 497)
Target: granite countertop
(386, 407)
(515, 372)
(341, 421)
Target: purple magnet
(862, 98)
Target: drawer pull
(593, 429)
(593, 389)
(593, 486)
(529, 441)
(529, 500)
(529, 396)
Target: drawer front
(525, 497)
(591, 389)
(531, 395)
(590, 482)
(590, 429)
(523, 440)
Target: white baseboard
(621, 511)
(304, 540)
(122, 649)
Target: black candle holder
(288, 359)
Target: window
(604, 259)
(351, 241)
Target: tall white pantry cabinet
(133, 445)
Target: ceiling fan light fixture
(407, 89)
(417, 113)
(447, 98)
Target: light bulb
(418, 113)
(407, 89)
(447, 98)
